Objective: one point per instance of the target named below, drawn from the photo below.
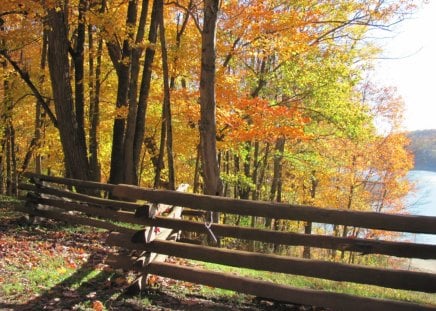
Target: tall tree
(71, 133)
(208, 150)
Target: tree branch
(25, 76)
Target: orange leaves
(244, 119)
(97, 305)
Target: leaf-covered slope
(423, 146)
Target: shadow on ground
(94, 286)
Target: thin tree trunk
(236, 171)
(275, 192)
(8, 158)
(197, 171)
(14, 174)
(308, 224)
(79, 70)
(146, 81)
(94, 105)
(167, 106)
(263, 167)
(244, 191)
(39, 113)
(349, 205)
(9, 134)
(2, 164)
(160, 157)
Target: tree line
(423, 147)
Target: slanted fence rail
(160, 212)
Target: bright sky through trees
(410, 65)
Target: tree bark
(121, 59)
(212, 182)
(166, 131)
(130, 167)
(308, 224)
(79, 69)
(72, 138)
(167, 103)
(94, 104)
(145, 82)
(275, 192)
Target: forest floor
(54, 267)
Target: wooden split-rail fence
(160, 212)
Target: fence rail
(55, 197)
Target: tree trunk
(349, 205)
(275, 192)
(2, 164)
(167, 106)
(160, 157)
(212, 183)
(72, 139)
(121, 60)
(245, 190)
(210, 168)
(145, 82)
(263, 166)
(197, 171)
(79, 69)
(129, 167)
(94, 105)
(308, 224)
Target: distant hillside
(423, 146)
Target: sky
(409, 63)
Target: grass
(34, 280)
(326, 285)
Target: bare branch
(25, 76)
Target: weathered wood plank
(95, 211)
(336, 301)
(117, 261)
(373, 220)
(80, 197)
(75, 219)
(399, 249)
(400, 279)
(70, 181)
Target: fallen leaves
(35, 258)
(97, 305)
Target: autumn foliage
(295, 117)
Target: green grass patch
(320, 284)
(24, 279)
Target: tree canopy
(251, 99)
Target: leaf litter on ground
(51, 266)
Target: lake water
(422, 201)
